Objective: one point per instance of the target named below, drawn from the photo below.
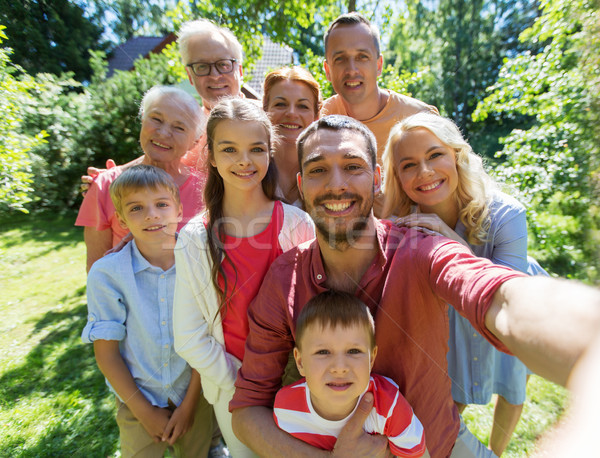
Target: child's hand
(180, 423)
(154, 421)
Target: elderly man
(406, 278)
(213, 59)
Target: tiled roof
(124, 55)
(274, 56)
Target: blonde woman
(435, 181)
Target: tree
(458, 47)
(128, 18)
(15, 165)
(51, 36)
(552, 162)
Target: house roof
(274, 56)
(124, 56)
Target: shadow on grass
(57, 229)
(63, 369)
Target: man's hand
(354, 441)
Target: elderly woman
(172, 123)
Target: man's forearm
(255, 427)
(547, 323)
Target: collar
(383, 229)
(139, 263)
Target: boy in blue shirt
(130, 306)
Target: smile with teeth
(158, 227)
(337, 207)
(244, 174)
(431, 186)
(353, 83)
(339, 386)
(290, 126)
(154, 142)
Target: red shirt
(406, 287)
(391, 416)
(250, 259)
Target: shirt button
(474, 334)
(165, 364)
(163, 323)
(91, 318)
(475, 359)
(476, 384)
(162, 276)
(162, 299)
(167, 386)
(319, 276)
(166, 345)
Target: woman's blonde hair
(474, 184)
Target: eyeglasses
(222, 66)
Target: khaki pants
(136, 442)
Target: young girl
(223, 254)
(434, 180)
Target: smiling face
(151, 215)
(336, 362)
(291, 108)
(168, 130)
(352, 64)
(338, 183)
(241, 154)
(426, 170)
(213, 86)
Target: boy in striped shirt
(335, 350)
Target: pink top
(245, 266)
(98, 211)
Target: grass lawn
(53, 400)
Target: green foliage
(87, 127)
(283, 21)
(550, 163)
(458, 45)
(51, 36)
(53, 399)
(15, 164)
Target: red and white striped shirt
(391, 416)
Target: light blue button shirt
(131, 301)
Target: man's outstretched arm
(256, 428)
(547, 323)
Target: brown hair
(292, 74)
(335, 308)
(354, 18)
(141, 177)
(239, 110)
(338, 122)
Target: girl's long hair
(238, 110)
(474, 184)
